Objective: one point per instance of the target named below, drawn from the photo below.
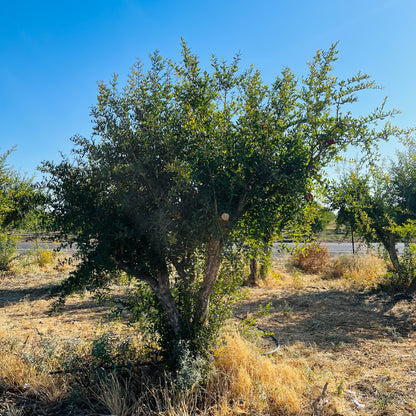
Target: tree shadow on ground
(16, 295)
(331, 317)
(79, 307)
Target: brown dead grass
(255, 382)
(330, 330)
(311, 258)
(358, 271)
(362, 343)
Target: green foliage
(94, 359)
(108, 350)
(18, 195)
(382, 207)
(186, 166)
(146, 312)
(248, 326)
(192, 370)
(322, 219)
(8, 246)
(265, 261)
(260, 258)
(347, 196)
(17, 198)
(401, 277)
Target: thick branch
(161, 288)
(389, 242)
(164, 295)
(211, 273)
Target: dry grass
(26, 374)
(254, 383)
(117, 395)
(312, 258)
(330, 330)
(362, 343)
(37, 258)
(360, 271)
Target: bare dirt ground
(362, 343)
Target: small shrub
(248, 328)
(42, 256)
(399, 279)
(192, 371)
(312, 258)
(110, 350)
(8, 247)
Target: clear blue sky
(54, 52)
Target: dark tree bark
(161, 288)
(164, 295)
(412, 286)
(390, 245)
(254, 273)
(211, 273)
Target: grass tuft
(256, 383)
(30, 372)
(361, 271)
(312, 258)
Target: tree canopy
(380, 206)
(346, 197)
(18, 197)
(185, 163)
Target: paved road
(30, 245)
(335, 249)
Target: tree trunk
(254, 274)
(164, 295)
(161, 288)
(412, 286)
(352, 242)
(390, 246)
(211, 272)
(266, 261)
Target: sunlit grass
(360, 271)
(48, 359)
